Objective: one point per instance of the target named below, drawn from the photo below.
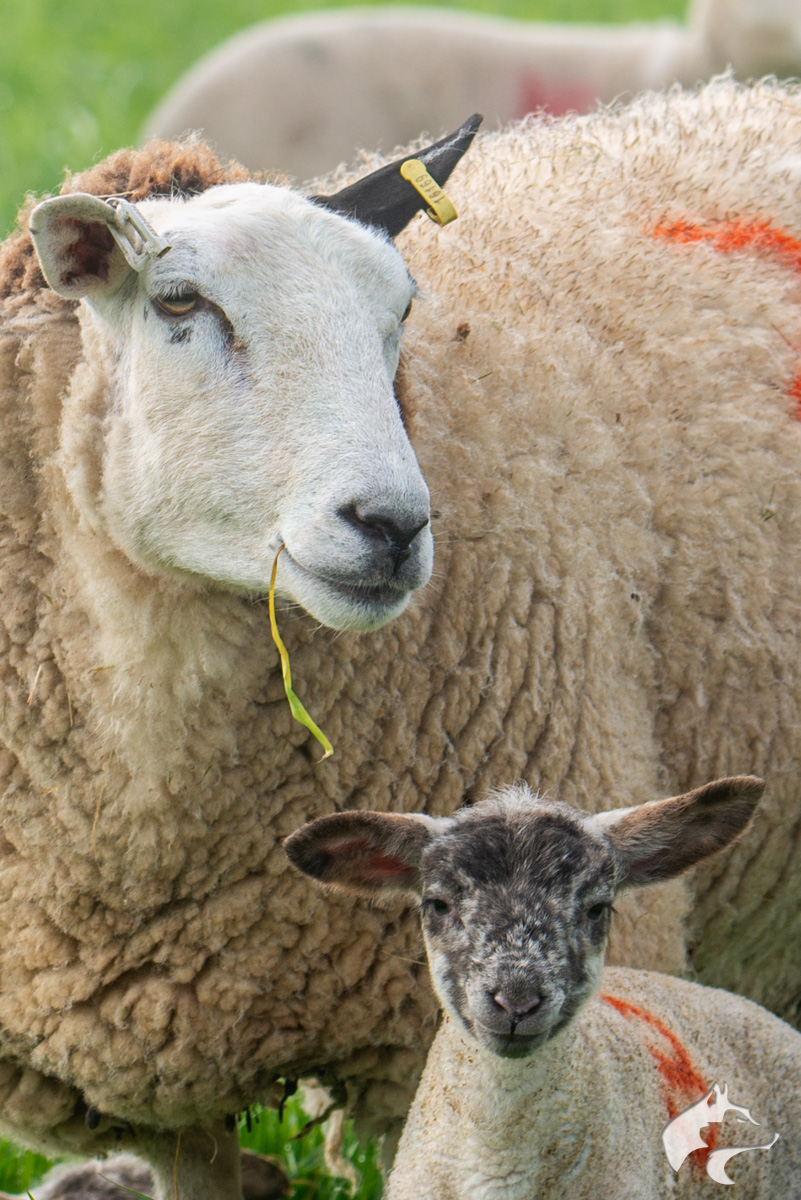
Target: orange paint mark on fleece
(730, 236)
(682, 1083)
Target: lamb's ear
(362, 852)
(661, 839)
(386, 199)
(88, 246)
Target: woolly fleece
(605, 422)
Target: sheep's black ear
(661, 839)
(388, 201)
(362, 852)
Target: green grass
(19, 1168)
(303, 1157)
(77, 80)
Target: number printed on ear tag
(441, 210)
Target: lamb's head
(517, 892)
(249, 363)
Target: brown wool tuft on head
(183, 168)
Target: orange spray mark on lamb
(728, 237)
(682, 1083)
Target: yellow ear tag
(441, 210)
(297, 709)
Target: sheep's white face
(251, 404)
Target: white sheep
(301, 92)
(600, 380)
(538, 1084)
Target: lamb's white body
(550, 1079)
(300, 93)
(583, 1117)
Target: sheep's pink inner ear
(362, 852)
(80, 256)
(77, 251)
(85, 249)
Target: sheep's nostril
(517, 1012)
(396, 531)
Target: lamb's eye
(408, 310)
(437, 905)
(177, 304)
(597, 911)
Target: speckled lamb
(600, 381)
(538, 1086)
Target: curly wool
(604, 418)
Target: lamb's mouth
(513, 1045)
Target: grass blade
(297, 709)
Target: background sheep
(536, 1085)
(602, 396)
(299, 93)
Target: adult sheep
(299, 93)
(600, 384)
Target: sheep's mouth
(345, 604)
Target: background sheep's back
(603, 407)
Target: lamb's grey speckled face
(517, 892)
(516, 910)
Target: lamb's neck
(521, 1120)
(506, 1083)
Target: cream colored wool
(604, 422)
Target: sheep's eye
(177, 304)
(408, 310)
(435, 904)
(597, 911)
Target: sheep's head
(516, 893)
(250, 402)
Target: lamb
(538, 1084)
(299, 93)
(601, 396)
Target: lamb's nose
(517, 1012)
(386, 527)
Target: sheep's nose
(517, 1012)
(385, 527)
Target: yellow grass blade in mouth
(297, 709)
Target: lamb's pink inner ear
(659, 840)
(362, 864)
(363, 852)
